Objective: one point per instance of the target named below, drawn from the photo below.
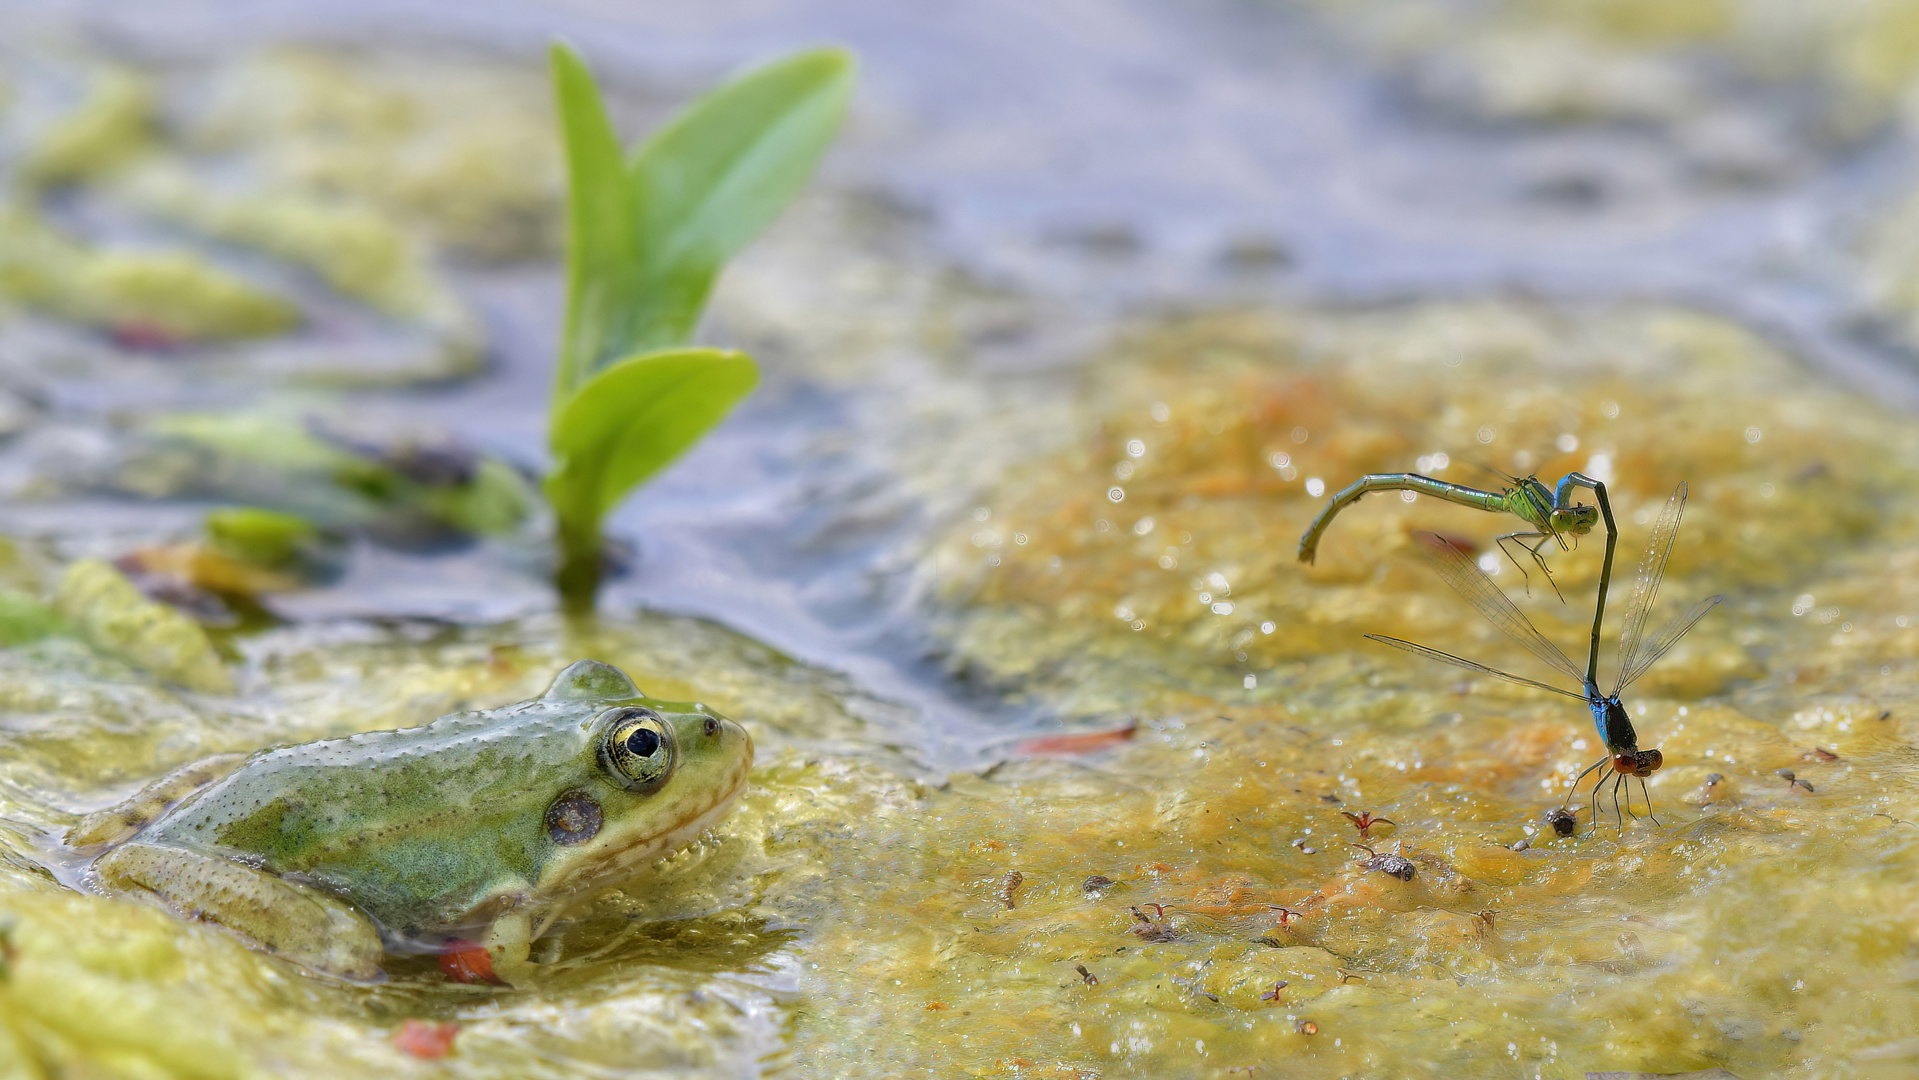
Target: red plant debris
(468, 962)
(426, 1041)
(1084, 743)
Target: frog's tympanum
(479, 826)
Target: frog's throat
(620, 863)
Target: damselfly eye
(1647, 762)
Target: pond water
(998, 566)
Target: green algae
(359, 250)
(112, 613)
(1150, 571)
(398, 131)
(178, 293)
(111, 126)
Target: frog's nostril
(712, 727)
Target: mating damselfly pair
(1638, 651)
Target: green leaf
(631, 420)
(602, 257)
(720, 172)
(646, 238)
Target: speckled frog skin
(479, 825)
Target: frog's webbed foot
(116, 823)
(295, 921)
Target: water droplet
(1609, 409)
(1753, 434)
(1485, 434)
(1315, 487)
(1143, 526)
(1489, 562)
(1280, 459)
(1135, 448)
(1300, 434)
(1268, 627)
(1766, 491)
(1251, 682)
(1803, 604)
(1161, 414)
(1116, 494)
(1567, 442)
(1408, 496)
(980, 513)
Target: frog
(474, 831)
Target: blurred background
(229, 219)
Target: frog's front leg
(295, 921)
(508, 942)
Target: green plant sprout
(647, 234)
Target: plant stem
(581, 563)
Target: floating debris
(1391, 865)
(1364, 821)
(1009, 888)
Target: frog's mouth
(616, 857)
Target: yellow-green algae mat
(849, 920)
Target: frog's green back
(403, 820)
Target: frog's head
(657, 774)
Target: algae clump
(113, 615)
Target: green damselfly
(1637, 652)
(1550, 511)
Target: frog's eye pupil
(643, 742)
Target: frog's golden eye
(638, 751)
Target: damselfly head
(1578, 520)
(1638, 762)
